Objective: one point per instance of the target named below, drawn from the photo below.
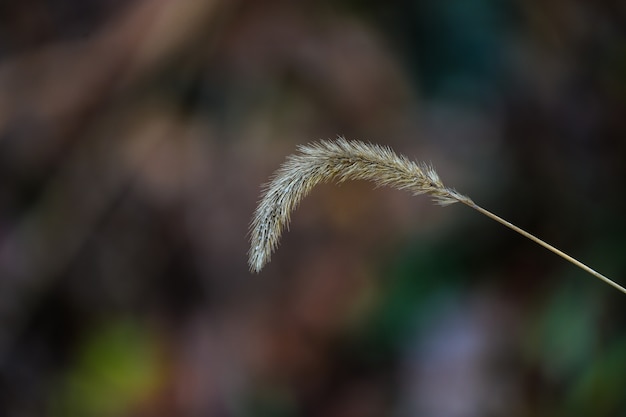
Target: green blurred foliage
(115, 370)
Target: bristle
(339, 160)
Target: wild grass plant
(341, 160)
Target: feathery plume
(343, 160)
(338, 160)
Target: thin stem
(545, 245)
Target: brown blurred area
(134, 139)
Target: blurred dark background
(135, 136)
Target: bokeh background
(135, 136)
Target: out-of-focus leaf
(599, 391)
(565, 334)
(116, 369)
